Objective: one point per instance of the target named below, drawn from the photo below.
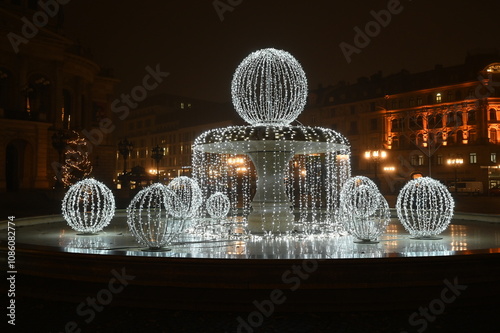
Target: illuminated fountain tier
(292, 166)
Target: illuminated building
(420, 120)
(48, 86)
(171, 122)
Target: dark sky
(201, 52)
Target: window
(493, 115)
(412, 102)
(417, 160)
(472, 158)
(450, 96)
(493, 157)
(419, 100)
(397, 124)
(471, 117)
(373, 124)
(439, 160)
(353, 128)
(394, 104)
(182, 105)
(438, 98)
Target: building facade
(172, 123)
(49, 87)
(422, 122)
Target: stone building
(422, 122)
(48, 86)
(173, 123)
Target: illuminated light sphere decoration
(88, 206)
(425, 208)
(284, 166)
(188, 197)
(218, 205)
(149, 217)
(363, 210)
(269, 87)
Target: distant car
(495, 190)
(467, 188)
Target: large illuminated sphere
(189, 197)
(88, 206)
(364, 212)
(149, 217)
(425, 207)
(218, 205)
(269, 87)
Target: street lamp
(124, 148)
(157, 154)
(375, 156)
(455, 163)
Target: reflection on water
(117, 240)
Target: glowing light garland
(189, 197)
(218, 205)
(88, 206)
(363, 210)
(286, 165)
(149, 217)
(425, 207)
(269, 87)
(77, 165)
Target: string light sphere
(189, 197)
(269, 87)
(364, 212)
(425, 207)
(88, 206)
(149, 217)
(218, 205)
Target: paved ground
(37, 316)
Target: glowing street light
(375, 156)
(157, 154)
(455, 163)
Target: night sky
(189, 40)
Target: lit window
(493, 157)
(182, 105)
(438, 98)
(439, 160)
(472, 158)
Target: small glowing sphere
(269, 87)
(149, 217)
(88, 206)
(364, 212)
(360, 194)
(218, 205)
(189, 197)
(425, 207)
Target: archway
(18, 165)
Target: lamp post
(375, 156)
(157, 154)
(455, 162)
(125, 148)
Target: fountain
(281, 164)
